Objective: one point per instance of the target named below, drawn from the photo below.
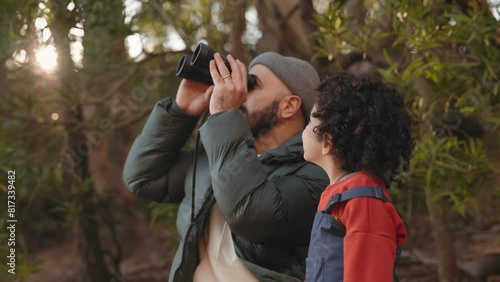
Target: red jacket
(374, 230)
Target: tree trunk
(306, 15)
(436, 206)
(76, 174)
(447, 259)
(106, 60)
(75, 177)
(269, 26)
(284, 22)
(239, 25)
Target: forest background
(78, 79)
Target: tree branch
(289, 15)
(157, 5)
(54, 100)
(111, 91)
(151, 55)
(139, 115)
(32, 120)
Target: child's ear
(290, 105)
(327, 144)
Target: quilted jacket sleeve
(156, 164)
(279, 210)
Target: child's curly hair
(370, 127)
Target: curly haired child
(360, 134)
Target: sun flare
(47, 58)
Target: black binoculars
(196, 67)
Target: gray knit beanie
(298, 75)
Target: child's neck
(335, 173)
(337, 176)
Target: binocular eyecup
(196, 67)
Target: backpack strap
(356, 192)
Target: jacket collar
(290, 150)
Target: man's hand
(193, 97)
(230, 89)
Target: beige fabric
(218, 260)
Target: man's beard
(262, 121)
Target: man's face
(262, 121)
(263, 101)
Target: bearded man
(247, 196)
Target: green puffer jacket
(268, 201)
